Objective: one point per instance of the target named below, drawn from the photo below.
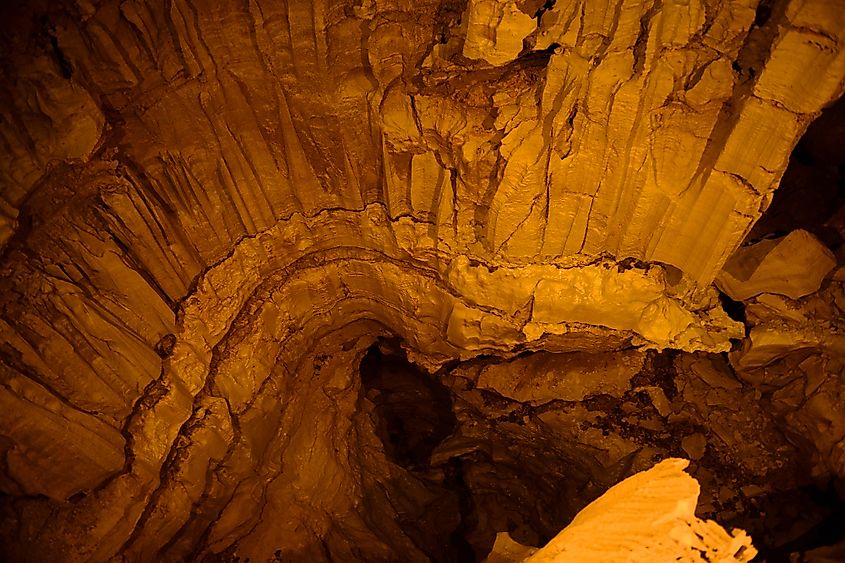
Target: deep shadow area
(414, 414)
(501, 467)
(414, 409)
(796, 521)
(811, 194)
(499, 474)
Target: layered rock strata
(211, 213)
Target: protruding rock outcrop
(793, 266)
(649, 516)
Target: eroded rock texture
(377, 280)
(649, 516)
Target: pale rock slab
(780, 326)
(568, 377)
(506, 550)
(649, 516)
(495, 30)
(794, 266)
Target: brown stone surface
(213, 216)
(649, 516)
(793, 266)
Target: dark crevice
(763, 13)
(734, 309)
(65, 68)
(454, 481)
(659, 370)
(786, 510)
(811, 195)
(414, 410)
(641, 43)
(759, 42)
(64, 64)
(548, 5)
(447, 18)
(530, 58)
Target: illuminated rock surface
(794, 266)
(372, 280)
(649, 516)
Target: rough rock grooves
(210, 213)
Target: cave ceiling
(382, 280)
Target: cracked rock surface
(370, 280)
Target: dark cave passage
(516, 479)
(800, 520)
(505, 479)
(811, 195)
(414, 415)
(414, 409)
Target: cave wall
(211, 212)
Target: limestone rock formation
(794, 266)
(647, 517)
(370, 280)
(505, 550)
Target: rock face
(647, 517)
(793, 266)
(227, 228)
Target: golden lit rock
(360, 280)
(650, 516)
(793, 266)
(496, 30)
